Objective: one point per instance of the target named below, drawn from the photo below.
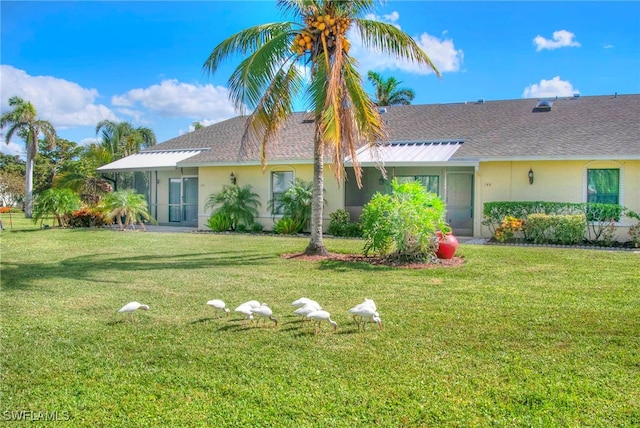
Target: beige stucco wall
(556, 181)
(213, 178)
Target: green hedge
(599, 220)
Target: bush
(219, 222)
(288, 226)
(257, 227)
(341, 225)
(403, 225)
(508, 229)
(555, 229)
(295, 202)
(86, 217)
(599, 220)
(59, 203)
(238, 204)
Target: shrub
(86, 217)
(508, 229)
(59, 203)
(257, 227)
(555, 229)
(288, 226)
(403, 225)
(239, 204)
(341, 225)
(295, 202)
(219, 222)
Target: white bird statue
(219, 306)
(303, 301)
(264, 312)
(131, 307)
(319, 316)
(366, 313)
(246, 311)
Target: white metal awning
(149, 161)
(407, 153)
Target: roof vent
(542, 106)
(382, 110)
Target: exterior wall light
(233, 178)
(530, 176)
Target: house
(574, 149)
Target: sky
(81, 62)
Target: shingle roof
(586, 127)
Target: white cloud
(441, 51)
(550, 88)
(561, 39)
(61, 102)
(172, 98)
(13, 149)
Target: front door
(460, 203)
(183, 201)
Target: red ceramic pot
(447, 245)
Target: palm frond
(388, 39)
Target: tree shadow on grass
(90, 267)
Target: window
(280, 182)
(603, 186)
(430, 182)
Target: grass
(514, 337)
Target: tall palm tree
(24, 121)
(388, 92)
(269, 80)
(122, 139)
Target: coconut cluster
(321, 27)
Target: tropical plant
(24, 121)
(122, 139)
(240, 204)
(341, 225)
(269, 80)
(127, 205)
(403, 225)
(219, 222)
(388, 92)
(288, 226)
(295, 203)
(59, 203)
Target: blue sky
(141, 62)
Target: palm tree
(387, 91)
(121, 139)
(129, 205)
(269, 80)
(239, 203)
(24, 121)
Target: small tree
(127, 204)
(403, 225)
(59, 203)
(239, 204)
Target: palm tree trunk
(316, 246)
(28, 200)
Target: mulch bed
(453, 262)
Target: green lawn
(515, 337)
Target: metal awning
(407, 153)
(149, 161)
